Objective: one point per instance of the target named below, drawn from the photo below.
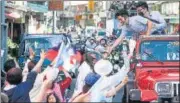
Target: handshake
(108, 52)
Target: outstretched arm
(65, 83)
(113, 91)
(37, 68)
(116, 43)
(42, 94)
(25, 69)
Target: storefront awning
(13, 15)
(37, 7)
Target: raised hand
(31, 53)
(42, 54)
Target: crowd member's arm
(82, 98)
(42, 94)
(25, 70)
(51, 66)
(17, 65)
(31, 56)
(113, 91)
(37, 68)
(121, 74)
(67, 82)
(117, 42)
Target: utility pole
(3, 35)
(55, 5)
(54, 22)
(0, 36)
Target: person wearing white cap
(85, 68)
(106, 82)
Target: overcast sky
(85, 2)
(78, 2)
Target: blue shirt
(20, 93)
(155, 15)
(136, 24)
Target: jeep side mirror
(134, 60)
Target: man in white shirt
(85, 68)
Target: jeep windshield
(158, 50)
(37, 45)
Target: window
(37, 45)
(160, 50)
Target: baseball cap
(103, 67)
(91, 78)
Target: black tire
(166, 100)
(126, 96)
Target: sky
(78, 2)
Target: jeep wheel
(126, 98)
(166, 100)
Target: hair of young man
(14, 76)
(31, 65)
(142, 4)
(9, 64)
(56, 97)
(122, 12)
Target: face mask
(141, 13)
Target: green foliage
(12, 48)
(10, 44)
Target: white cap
(103, 67)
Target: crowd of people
(34, 85)
(94, 82)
